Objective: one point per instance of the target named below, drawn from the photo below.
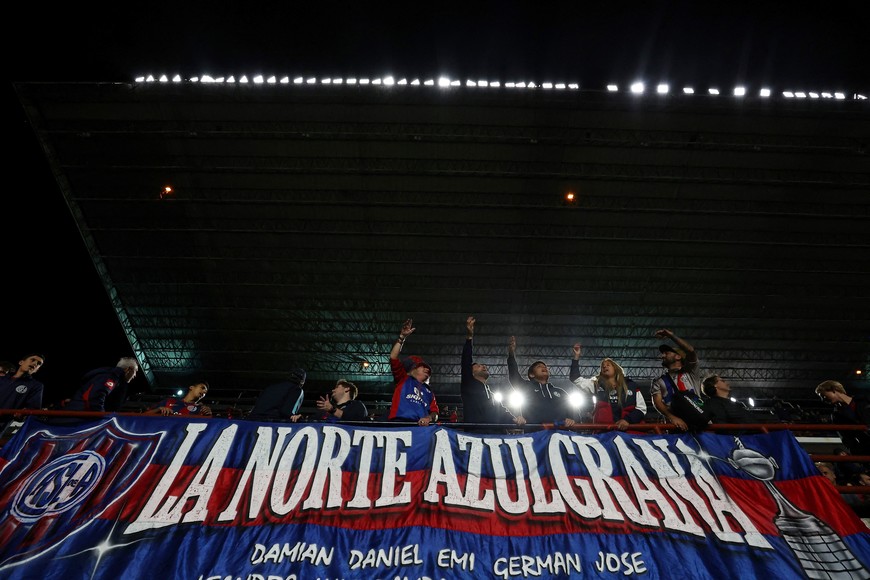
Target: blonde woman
(617, 400)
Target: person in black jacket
(281, 401)
(544, 402)
(848, 410)
(100, 383)
(342, 405)
(720, 407)
(478, 403)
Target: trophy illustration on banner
(821, 552)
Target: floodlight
(192, 79)
(713, 91)
(663, 89)
(482, 83)
(364, 81)
(574, 86)
(429, 82)
(576, 399)
(325, 81)
(739, 91)
(219, 80)
(516, 400)
(470, 84)
(139, 79)
(149, 79)
(612, 88)
(443, 82)
(800, 94)
(206, 79)
(495, 84)
(402, 82)
(788, 94)
(351, 81)
(688, 91)
(521, 85)
(764, 92)
(297, 81)
(389, 81)
(163, 79)
(455, 83)
(751, 402)
(814, 95)
(311, 81)
(285, 80)
(243, 79)
(271, 80)
(560, 85)
(179, 392)
(637, 88)
(510, 85)
(839, 96)
(546, 85)
(231, 79)
(337, 81)
(827, 96)
(258, 79)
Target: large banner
(167, 499)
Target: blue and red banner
(233, 500)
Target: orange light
(570, 196)
(167, 189)
(858, 372)
(365, 364)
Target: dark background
(54, 302)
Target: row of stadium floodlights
(637, 88)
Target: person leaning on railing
(848, 410)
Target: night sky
(53, 300)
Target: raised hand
(664, 333)
(469, 325)
(407, 328)
(512, 345)
(577, 349)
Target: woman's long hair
(618, 380)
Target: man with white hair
(99, 384)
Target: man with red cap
(412, 399)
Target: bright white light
(176, 79)
(311, 81)
(764, 92)
(298, 81)
(547, 85)
(713, 91)
(271, 80)
(285, 80)
(733, 400)
(800, 94)
(402, 82)
(232, 79)
(637, 88)
(429, 82)
(497, 397)
(415, 82)
(149, 79)
(688, 91)
(206, 79)
(532, 85)
(179, 392)
(364, 81)
(337, 81)
(389, 81)
(482, 83)
(193, 79)
(827, 96)
(377, 81)
(470, 84)
(739, 91)
(861, 97)
(163, 79)
(576, 399)
(839, 96)
(663, 89)
(814, 95)
(495, 84)
(351, 81)
(573, 86)
(258, 79)
(139, 79)
(612, 88)
(788, 94)
(560, 85)
(455, 83)
(521, 85)
(751, 402)
(443, 82)
(325, 81)
(219, 80)
(516, 400)
(510, 85)
(243, 79)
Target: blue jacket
(99, 383)
(22, 393)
